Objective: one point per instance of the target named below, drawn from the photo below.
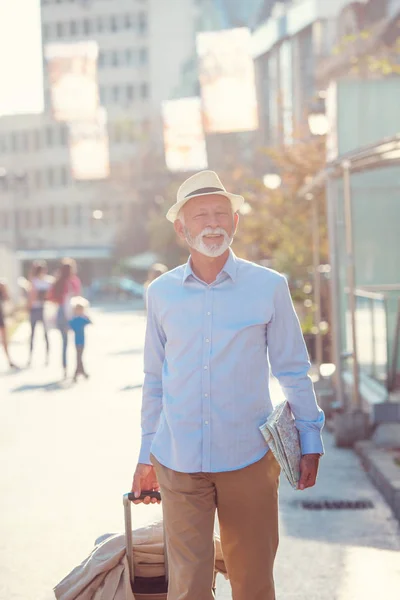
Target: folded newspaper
(283, 439)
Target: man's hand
(145, 478)
(308, 470)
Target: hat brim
(235, 200)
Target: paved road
(66, 457)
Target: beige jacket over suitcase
(104, 575)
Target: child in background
(78, 324)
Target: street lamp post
(317, 279)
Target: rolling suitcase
(144, 588)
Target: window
(119, 215)
(59, 30)
(37, 139)
(49, 137)
(115, 58)
(27, 218)
(78, 214)
(63, 135)
(103, 94)
(129, 22)
(52, 220)
(86, 26)
(64, 176)
(142, 23)
(4, 220)
(14, 142)
(101, 59)
(144, 90)
(38, 179)
(45, 31)
(50, 177)
(24, 141)
(115, 94)
(130, 92)
(100, 24)
(129, 56)
(65, 216)
(143, 56)
(39, 218)
(113, 23)
(73, 28)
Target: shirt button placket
(206, 402)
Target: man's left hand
(308, 470)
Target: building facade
(286, 48)
(143, 45)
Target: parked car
(115, 288)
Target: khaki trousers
(247, 505)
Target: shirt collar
(230, 267)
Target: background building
(287, 46)
(143, 46)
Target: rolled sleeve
(290, 365)
(154, 353)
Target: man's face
(208, 224)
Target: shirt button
(207, 340)
(205, 367)
(206, 395)
(206, 422)
(209, 313)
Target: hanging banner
(184, 141)
(228, 89)
(89, 149)
(72, 70)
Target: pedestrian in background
(4, 297)
(78, 323)
(213, 327)
(66, 285)
(155, 271)
(40, 284)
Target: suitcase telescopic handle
(128, 499)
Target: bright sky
(21, 66)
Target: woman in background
(66, 285)
(4, 296)
(40, 284)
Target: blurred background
(107, 106)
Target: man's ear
(178, 226)
(235, 222)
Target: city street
(68, 451)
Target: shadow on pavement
(126, 352)
(51, 386)
(127, 388)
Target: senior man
(213, 327)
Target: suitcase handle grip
(144, 494)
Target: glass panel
(372, 332)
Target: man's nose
(213, 221)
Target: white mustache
(211, 231)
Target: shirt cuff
(144, 454)
(311, 442)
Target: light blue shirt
(207, 346)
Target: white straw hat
(202, 184)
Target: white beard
(214, 250)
